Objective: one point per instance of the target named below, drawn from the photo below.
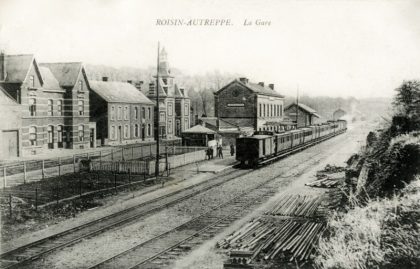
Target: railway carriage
(265, 146)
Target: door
(10, 144)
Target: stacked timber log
(329, 179)
(296, 205)
(288, 240)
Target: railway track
(162, 250)
(26, 254)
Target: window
(136, 113)
(187, 109)
(149, 112)
(32, 135)
(113, 133)
(260, 112)
(59, 107)
(126, 131)
(32, 82)
(59, 133)
(143, 112)
(126, 112)
(170, 108)
(271, 110)
(162, 116)
(136, 130)
(119, 113)
(50, 107)
(80, 85)
(81, 131)
(149, 130)
(80, 104)
(186, 124)
(112, 113)
(50, 130)
(32, 106)
(169, 126)
(264, 111)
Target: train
(264, 146)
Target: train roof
(261, 136)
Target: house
(54, 100)
(123, 114)
(10, 126)
(303, 116)
(250, 105)
(174, 104)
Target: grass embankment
(384, 233)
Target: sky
(334, 48)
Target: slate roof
(256, 88)
(222, 124)
(5, 98)
(50, 82)
(119, 92)
(305, 108)
(65, 73)
(17, 67)
(198, 129)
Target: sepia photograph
(213, 134)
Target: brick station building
(250, 105)
(54, 103)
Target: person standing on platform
(220, 152)
(232, 149)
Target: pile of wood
(296, 205)
(328, 180)
(288, 240)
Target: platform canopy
(198, 129)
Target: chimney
(243, 80)
(182, 91)
(104, 78)
(261, 84)
(2, 66)
(129, 81)
(271, 86)
(138, 84)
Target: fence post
(10, 205)
(36, 199)
(24, 172)
(43, 169)
(59, 166)
(74, 164)
(166, 159)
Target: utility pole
(157, 116)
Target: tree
(407, 98)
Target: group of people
(210, 151)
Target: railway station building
(54, 103)
(174, 104)
(305, 115)
(123, 114)
(251, 105)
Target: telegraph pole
(157, 116)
